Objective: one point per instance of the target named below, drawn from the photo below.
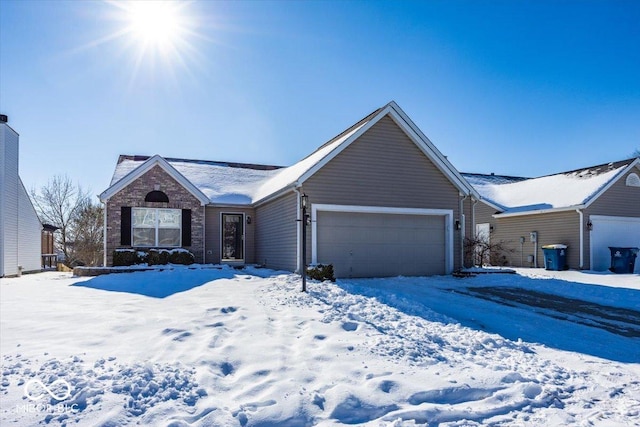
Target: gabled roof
(219, 182)
(297, 174)
(574, 189)
(243, 184)
(128, 173)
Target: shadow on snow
(156, 284)
(606, 326)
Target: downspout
(204, 234)
(462, 230)
(104, 235)
(473, 217)
(581, 215)
(296, 189)
(473, 225)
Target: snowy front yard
(222, 347)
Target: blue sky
(512, 87)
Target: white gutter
(462, 231)
(538, 211)
(473, 217)
(581, 215)
(204, 234)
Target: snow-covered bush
(158, 257)
(321, 272)
(126, 257)
(181, 256)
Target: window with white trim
(633, 180)
(156, 227)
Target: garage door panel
(612, 231)
(377, 245)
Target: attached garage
(364, 241)
(612, 231)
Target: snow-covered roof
(562, 190)
(243, 184)
(240, 183)
(221, 182)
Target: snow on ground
(223, 347)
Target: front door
(232, 237)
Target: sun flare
(159, 35)
(155, 23)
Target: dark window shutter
(186, 227)
(125, 225)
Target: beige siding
(618, 200)
(385, 168)
(476, 212)
(276, 233)
(213, 243)
(558, 227)
(484, 214)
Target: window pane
(169, 218)
(143, 217)
(144, 237)
(169, 237)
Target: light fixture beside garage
(589, 225)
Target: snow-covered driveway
(220, 347)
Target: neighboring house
(588, 209)
(383, 202)
(19, 224)
(49, 256)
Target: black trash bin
(623, 260)
(555, 257)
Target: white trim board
(447, 213)
(598, 220)
(147, 166)
(413, 133)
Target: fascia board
(538, 212)
(416, 137)
(491, 204)
(430, 150)
(144, 168)
(611, 182)
(330, 156)
(289, 188)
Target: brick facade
(133, 195)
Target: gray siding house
(383, 202)
(588, 210)
(20, 228)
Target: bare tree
(479, 251)
(87, 234)
(68, 207)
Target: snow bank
(247, 348)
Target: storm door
(232, 237)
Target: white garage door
(612, 231)
(361, 244)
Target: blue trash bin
(623, 260)
(555, 257)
